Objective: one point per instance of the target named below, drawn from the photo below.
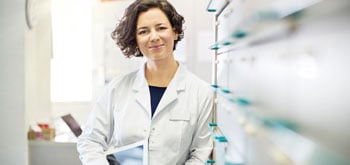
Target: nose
(154, 36)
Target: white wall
(13, 141)
(38, 53)
(199, 25)
(25, 76)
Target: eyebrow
(145, 27)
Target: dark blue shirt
(156, 95)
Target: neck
(160, 74)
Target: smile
(156, 47)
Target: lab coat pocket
(180, 122)
(180, 117)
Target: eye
(162, 28)
(141, 32)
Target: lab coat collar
(140, 86)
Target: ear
(176, 36)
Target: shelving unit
(281, 83)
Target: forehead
(151, 16)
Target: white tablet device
(132, 154)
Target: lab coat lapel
(142, 95)
(168, 97)
(176, 85)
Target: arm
(93, 142)
(202, 144)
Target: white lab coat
(177, 133)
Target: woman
(161, 102)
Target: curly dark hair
(125, 33)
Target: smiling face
(154, 35)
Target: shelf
(258, 19)
(280, 133)
(217, 6)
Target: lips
(156, 46)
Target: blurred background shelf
(281, 81)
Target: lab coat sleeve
(202, 144)
(93, 142)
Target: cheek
(137, 41)
(141, 45)
(141, 41)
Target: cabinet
(50, 152)
(280, 74)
